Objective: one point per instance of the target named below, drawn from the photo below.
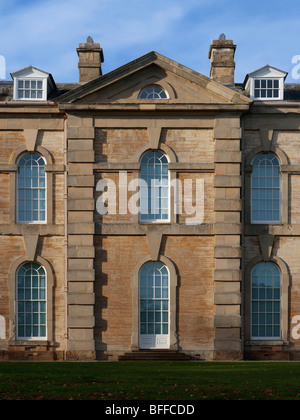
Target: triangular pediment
(183, 85)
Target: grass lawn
(149, 381)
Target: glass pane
(153, 92)
(265, 306)
(31, 184)
(31, 305)
(153, 310)
(154, 198)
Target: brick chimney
(90, 58)
(221, 55)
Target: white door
(154, 306)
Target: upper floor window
(32, 84)
(154, 192)
(153, 92)
(266, 189)
(266, 84)
(31, 189)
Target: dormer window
(153, 92)
(266, 84)
(32, 84)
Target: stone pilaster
(81, 252)
(228, 206)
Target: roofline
(142, 62)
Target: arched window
(153, 92)
(154, 192)
(266, 189)
(31, 189)
(154, 305)
(266, 302)
(31, 293)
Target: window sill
(266, 343)
(32, 343)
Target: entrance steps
(155, 355)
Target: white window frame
(161, 221)
(263, 338)
(30, 79)
(266, 222)
(149, 339)
(31, 301)
(24, 222)
(280, 89)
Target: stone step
(154, 355)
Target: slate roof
(6, 90)
(291, 91)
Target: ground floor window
(154, 299)
(31, 302)
(266, 301)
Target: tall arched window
(154, 192)
(31, 291)
(266, 302)
(154, 305)
(31, 189)
(266, 189)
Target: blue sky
(46, 33)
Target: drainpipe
(66, 227)
(243, 239)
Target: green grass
(149, 381)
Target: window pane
(31, 183)
(31, 305)
(265, 190)
(153, 308)
(155, 198)
(153, 92)
(265, 305)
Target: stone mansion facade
(151, 208)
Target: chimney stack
(221, 55)
(90, 58)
